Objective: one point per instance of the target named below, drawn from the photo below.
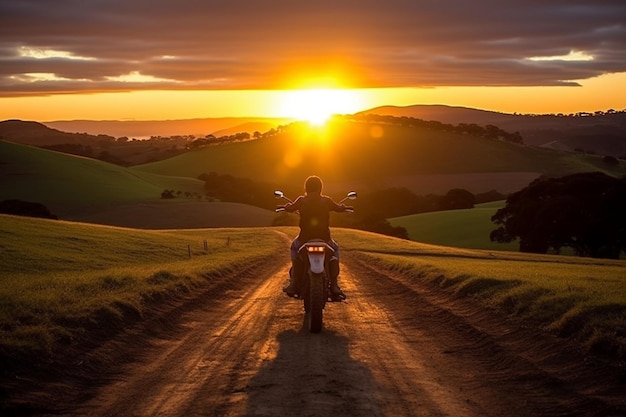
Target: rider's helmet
(313, 185)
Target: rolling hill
(348, 155)
(603, 133)
(37, 134)
(88, 190)
(67, 183)
(121, 152)
(61, 177)
(125, 151)
(366, 156)
(446, 114)
(146, 128)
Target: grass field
(467, 228)
(65, 182)
(60, 279)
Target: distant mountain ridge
(456, 114)
(249, 127)
(37, 134)
(603, 133)
(442, 113)
(108, 148)
(145, 128)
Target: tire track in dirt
(201, 372)
(493, 365)
(407, 385)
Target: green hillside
(348, 155)
(467, 228)
(362, 153)
(65, 182)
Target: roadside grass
(59, 280)
(578, 298)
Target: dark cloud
(234, 44)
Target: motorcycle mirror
(278, 194)
(351, 195)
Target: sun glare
(318, 104)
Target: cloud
(248, 44)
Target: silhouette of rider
(314, 208)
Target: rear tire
(316, 303)
(306, 293)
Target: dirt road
(394, 348)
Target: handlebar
(279, 194)
(281, 209)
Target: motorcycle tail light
(315, 249)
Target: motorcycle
(314, 288)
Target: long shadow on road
(313, 375)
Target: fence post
(189, 250)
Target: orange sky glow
(146, 60)
(595, 94)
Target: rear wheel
(306, 293)
(316, 303)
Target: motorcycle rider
(314, 208)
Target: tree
(457, 198)
(582, 211)
(26, 208)
(515, 137)
(382, 226)
(493, 132)
(238, 190)
(166, 194)
(388, 203)
(610, 160)
(489, 196)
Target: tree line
(371, 209)
(487, 132)
(584, 211)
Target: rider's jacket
(314, 215)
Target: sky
(162, 59)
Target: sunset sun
(318, 104)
